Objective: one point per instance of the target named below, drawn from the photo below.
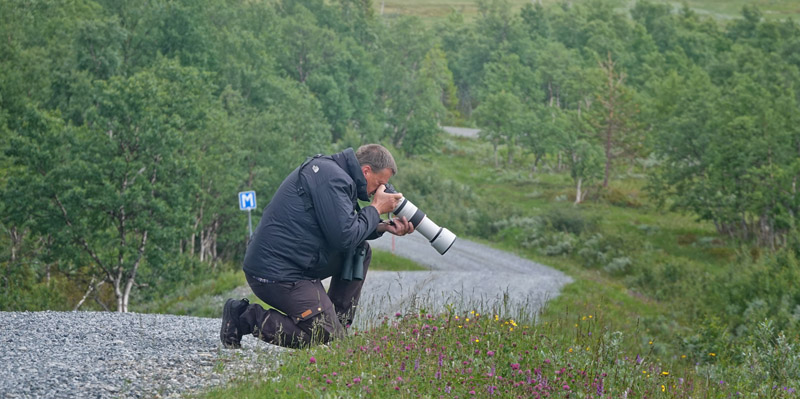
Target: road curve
(469, 275)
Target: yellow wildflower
(665, 373)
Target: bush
(599, 251)
(23, 290)
(448, 203)
(559, 244)
(617, 197)
(618, 266)
(765, 289)
(569, 220)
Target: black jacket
(309, 226)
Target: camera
(440, 238)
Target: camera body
(440, 238)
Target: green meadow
(655, 326)
(719, 9)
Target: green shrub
(559, 243)
(765, 289)
(448, 203)
(570, 220)
(618, 266)
(618, 197)
(22, 289)
(519, 229)
(599, 251)
(771, 359)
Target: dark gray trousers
(303, 312)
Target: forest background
(649, 150)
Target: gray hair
(377, 157)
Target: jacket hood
(349, 163)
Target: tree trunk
(14, 242)
(578, 195)
(608, 157)
(202, 244)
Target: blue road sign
(247, 200)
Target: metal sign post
(247, 202)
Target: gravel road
(469, 275)
(111, 355)
(461, 131)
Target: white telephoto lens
(440, 238)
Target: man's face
(374, 180)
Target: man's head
(377, 164)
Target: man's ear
(365, 168)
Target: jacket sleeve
(342, 227)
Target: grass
(481, 354)
(720, 9)
(608, 333)
(387, 261)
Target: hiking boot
(231, 332)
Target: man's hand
(397, 226)
(385, 202)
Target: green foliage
(416, 80)
(202, 295)
(447, 202)
(23, 289)
(128, 128)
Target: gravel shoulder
(113, 355)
